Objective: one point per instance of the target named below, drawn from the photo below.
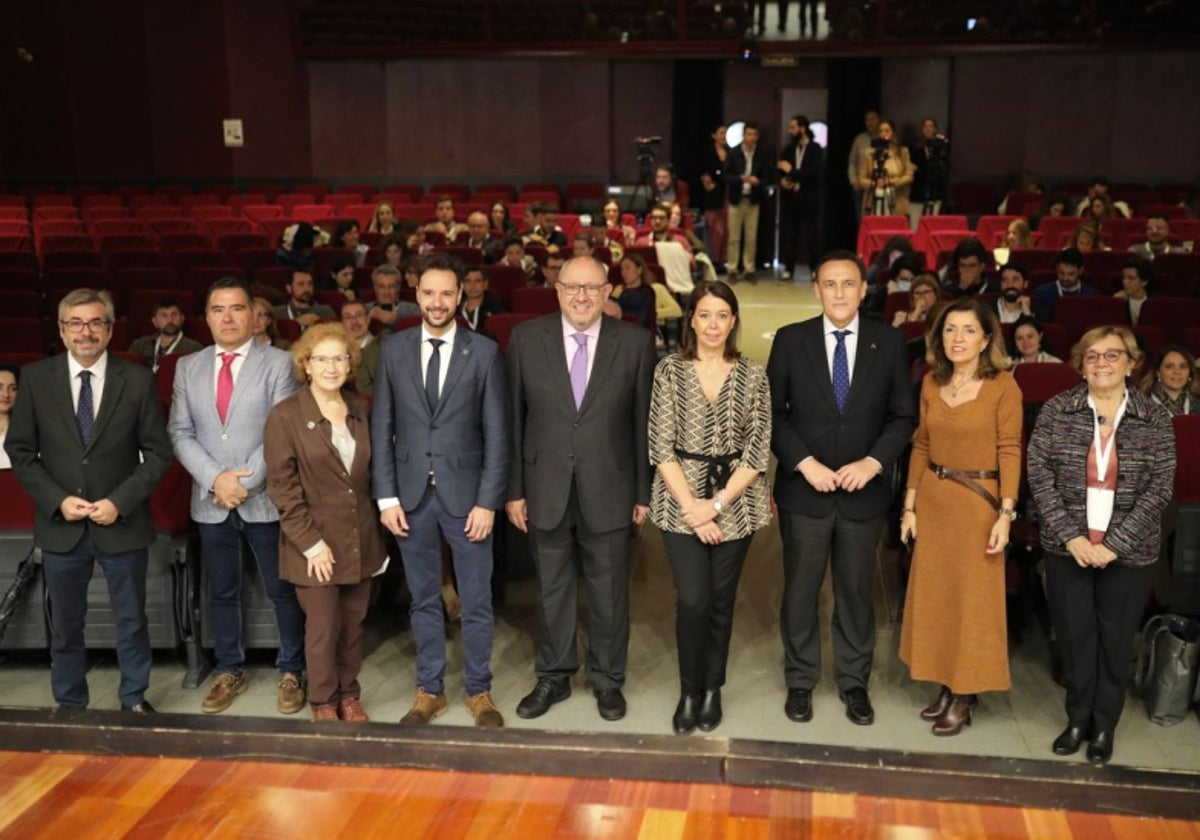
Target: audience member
(10, 379)
(1068, 269)
(550, 271)
(545, 230)
(500, 221)
(581, 245)
(300, 307)
(1098, 189)
(444, 222)
(263, 328)
(515, 256)
(904, 269)
(1016, 235)
(924, 293)
(387, 306)
(477, 303)
(357, 322)
(341, 276)
(346, 235)
(664, 184)
(965, 271)
(1172, 382)
(1086, 238)
(479, 237)
(298, 241)
(634, 294)
(1013, 301)
(1158, 231)
(747, 173)
(617, 231)
(167, 337)
(1136, 277)
(383, 220)
(1029, 342)
(392, 251)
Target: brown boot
(290, 698)
(486, 715)
(426, 707)
(938, 707)
(351, 710)
(325, 711)
(224, 688)
(956, 716)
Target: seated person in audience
(1086, 238)
(1068, 269)
(893, 249)
(392, 251)
(581, 245)
(357, 322)
(1158, 230)
(10, 378)
(634, 294)
(699, 253)
(664, 185)
(1100, 210)
(965, 271)
(924, 293)
(903, 271)
(263, 328)
(300, 306)
(1056, 205)
(660, 231)
(1136, 276)
(1016, 235)
(1013, 301)
(1172, 381)
(387, 306)
(383, 220)
(167, 337)
(477, 303)
(1028, 344)
(1028, 183)
(554, 264)
(601, 238)
(515, 256)
(480, 238)
(341, 276)
(414, 239)
(410, 271)
(298, 241)
(1098, 189)
(501, 222)
(444, 222)
(346, 235)
(545, 230)
(612, 221)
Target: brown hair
(992, 360)
(314, 335)
(1151, 375)
(722, 291)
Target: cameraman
(885, 175)
(931, 157)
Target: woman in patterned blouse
(710, 434)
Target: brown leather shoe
(956, 716)
(486, 715)
(224, 688)
(325, 711)
(939, 705)
(426, 707)
(350, 709)
(291, 695)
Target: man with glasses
(439, 458)
(579, 475)
(358, 323)
(222, 397)
(87, 442)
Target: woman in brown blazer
(317, 448)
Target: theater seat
(537, 300)
(1079, 313)
(502, 325)
(28, 629)
(1040, 381)
(1172, 315)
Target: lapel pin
(312, 425)
(872, 345)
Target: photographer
(931, 157)
(885, 175)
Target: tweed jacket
(1057, 467)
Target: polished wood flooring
(81, 797)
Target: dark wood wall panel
(641, 96)
(574, 118)
(348, 118)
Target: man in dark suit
(579, 473)
(439, 459)
(747, 171)
(88, 442)
(799, 196)
(843, 413)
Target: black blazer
(714, 167)
(879, 419)
(51, 461)
(809, 176)
(735, 167)
(604, 445)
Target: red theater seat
(17, 512)
(537, 300)
(23, 335)
(1187, 458)
(1042, 380)
(502, 325)
(1079, 313)
(1172, 315)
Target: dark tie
(85, 415)
(841, 370)
(433, 372)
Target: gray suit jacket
(602, 446)
(463, 441)
(206, 447)
(128, 453)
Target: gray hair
(82, 297)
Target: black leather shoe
(1069, 742)
(799, 705)
(686, 714)
(858, 706)
(1100, 749)
(143, 708)
(545, 694)
(611, 703)
(710, 710)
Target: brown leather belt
(964, 477)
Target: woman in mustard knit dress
(962, 484)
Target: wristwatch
(718, 505)
(1009, 512)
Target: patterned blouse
(711, 440)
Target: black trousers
(848, 546)
(706, 582)
(1096, 613)
(563, 554)
(796, 225)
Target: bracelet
(913, 511)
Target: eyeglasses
(76, 325)
(573, 289)
(923, 292)
(1110, 356)
(330, 361)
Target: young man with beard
(168, 338)
(1013, 302)
(300, 306)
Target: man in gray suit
(439, 460)
(222, 397)
(87, 441)
(579, 473)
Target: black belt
(964, 477)
(719, 468)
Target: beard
(1011, 295)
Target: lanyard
(1104, 453)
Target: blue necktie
(841, 370)
(433, 373)
(85, 415)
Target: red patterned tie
(225, 384)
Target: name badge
(1099, 508)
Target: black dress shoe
(858, 706)
(710, 710)
(1100, 749)
(611, 703)
(686, 714)
(545, 694)
(1069, 742)
(143, 708)
(799, 705)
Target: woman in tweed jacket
(1101, 467)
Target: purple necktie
(579, 368)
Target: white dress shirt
(99, 370)
(444, 353)
(570, 345)
(831, 344)
(234, 368)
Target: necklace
(957, 383)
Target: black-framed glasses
(1110, 356)
(76, 325)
